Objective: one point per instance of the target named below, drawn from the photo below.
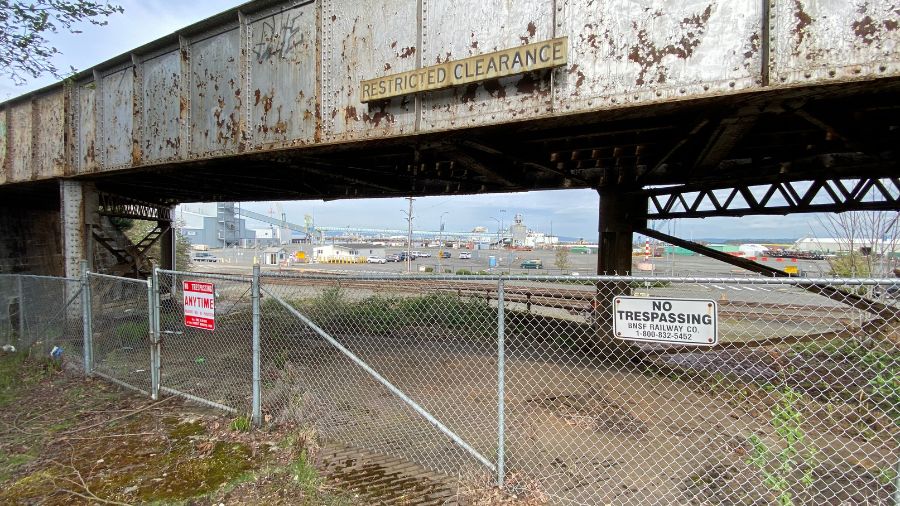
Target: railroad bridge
(668, 108)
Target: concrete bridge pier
(79, 212)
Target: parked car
(402, 256)
(465, 255)
(203, 256)
(532, 264)
(421, 254)
(392, 258)
(376, 260)
(445, 254)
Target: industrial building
(346, 253)
(832, 245)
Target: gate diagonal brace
(853, 300)
(387, 384)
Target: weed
(305, 474)
(793, 453)
(241, 424)
(887, 475)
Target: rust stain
(469, 93)
(380, 115)
(527, 84)
(256, 95)
(754, 46)
(865, 29)
(350, 113)
(387, 66)
(407, 52)
(136, 152)
(532, 29)
(649, 57)
(89, 156)
(890, 25)
(803, 21)
(495, 89)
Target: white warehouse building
(346, 253)
(840, 245)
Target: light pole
(409, 220)
(502, 242)
(499, 225)
(441, 235)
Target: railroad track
(577, 301)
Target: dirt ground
(65, 439)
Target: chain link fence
(794, 400)
(38, 313)
(120, 323)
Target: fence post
(501, 385)
(20, 342)
(87, 315)
(257, 402)
(153, 303)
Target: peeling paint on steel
(283, 80)
(117, 93)
(480, 27)
(161, 113)
(645, 51)
(824, 40)
(216, 101)
(51, 134)
(357, 45)
(87, 128)
(20, 149)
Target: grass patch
(374, 315)
(241, 424)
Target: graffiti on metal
(529, 58)
(282, 61)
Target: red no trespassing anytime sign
(199, 305)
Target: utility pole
(409, 220)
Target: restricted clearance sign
(199, 305)
(691, 322)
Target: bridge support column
(167, 245)
(78, 213)
(620, 215)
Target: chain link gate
(213, 367)
(120, 331)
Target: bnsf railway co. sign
(671, 321)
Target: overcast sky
(571, 213)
